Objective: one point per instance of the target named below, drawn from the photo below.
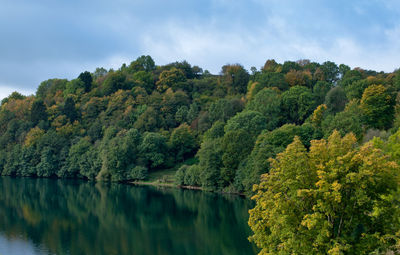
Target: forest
(120, 125)
(316, 145)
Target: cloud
(60, 39)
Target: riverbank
(166, 178)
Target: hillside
(122, 125)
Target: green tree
(69, 109)
(153, 150)
(76, 158)
(320, 89)
(250, 121)
(377, 104)
(236, 146)
(119, 155)
(331, 71)
(223, 109)
(169, 78)
(235, 77)
(334, 199)
(144, 80)
(391, 146)
(75, 86)
(48, 165)
(149, 120)
(216, 131)
(267, 102)
(271, 80)
(336, 100)
(210, 157)
(349, 120)
(356, 89)
(38, 112)
(297, 104)
(268, 145)
(114, 82)
(182, 143)
(142, 63)
(87, 80)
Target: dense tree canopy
(377, 104)
(332, 199)
(121, 125)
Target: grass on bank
(164, 177)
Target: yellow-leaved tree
(336, 198)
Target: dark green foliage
(48, 165)
(351, 76)
(138, 173)
(224, 109)
(149, 120)
(180, 175)
(142, 63)
(95, 131)
(38, 112)
(267, 102)
(210, 157)
(236, 146)
(216, 131)
(76, 162)
(320, 90)
(331, 71)
(297, 104)
(144, 80)
(268, 145)
(87, 80)
(153, 150)
(188, 175)
(29, 158)
(69, 109)
(74, 87)
(350, 120)
(270, 80)
(181, 114)
(356, 89)
(114, 82)
(343, 69)
(290, 65)
(119, 155)
(12, 164)
(192, 176)
(250, 121)
(47, 89)
(235, 77)
(336, 100)
(182, 143)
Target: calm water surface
(40, 216)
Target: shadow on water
(73, 217)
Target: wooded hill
(120, 125)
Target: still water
(41, 216)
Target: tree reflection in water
(73, 217)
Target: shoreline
(137, 183)
(172, 185)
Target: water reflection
(71, 217)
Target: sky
(45, 39)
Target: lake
(47, 216)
